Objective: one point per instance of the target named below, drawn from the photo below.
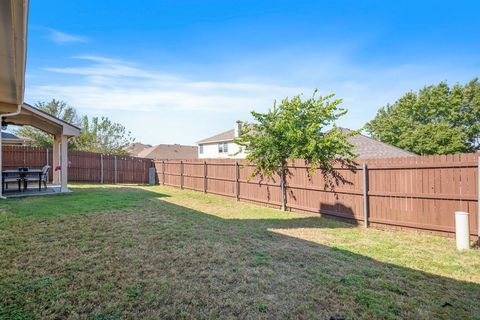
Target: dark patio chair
(17, 179)
(42, 178)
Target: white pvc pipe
(462, 230)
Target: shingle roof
(170, 151)
(365, 147)
(224, 136)
(135, 148)
(11, 136)
(369, 148)
(7, 135)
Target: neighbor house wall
(210, 151)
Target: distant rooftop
(224, 136)
(11, 136)
(170, 151)
(135, 148)
(365, 147)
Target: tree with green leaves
(98, 134)
(56, 108)
(436, 120)
(103, 136)
(296, 129)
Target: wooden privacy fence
(413, 192)
(84, 166)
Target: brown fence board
(414, 192)
(83, 167)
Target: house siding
(210, 151)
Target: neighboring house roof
(224, 136)
(8, 135)
(365, 147)
(369, 148)
(13, 139)
(135, 148)
(10, 138)
(170, 151)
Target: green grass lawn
(116, 252)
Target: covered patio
(13, 109)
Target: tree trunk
(283, 186)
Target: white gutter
(1, 151)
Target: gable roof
(170, 151)
(135, 148)
(365, 147)
(224, 136)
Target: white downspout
(1, 151)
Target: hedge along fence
(84, 166)
(413, 192)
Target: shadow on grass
(301, 278)
(357, 286)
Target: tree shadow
(361, 287)
(267, 262)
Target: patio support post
(64, 163)
(56, 159)
(365, 194)
(47, 160)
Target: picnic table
(22, 175)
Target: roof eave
(68, 129)
(215, 141)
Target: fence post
(365, 194)
(115, 168)
(163, 172)
(181, 174)
(101, 168)
(205, 176)
(478, 201)
(237, 181)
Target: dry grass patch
(157, 252)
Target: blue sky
(180, 71)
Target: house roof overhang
(34, 117)
(13, 53)
(13, 50)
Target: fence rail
(84, 166)
(412, 192)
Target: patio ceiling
(13, 36)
